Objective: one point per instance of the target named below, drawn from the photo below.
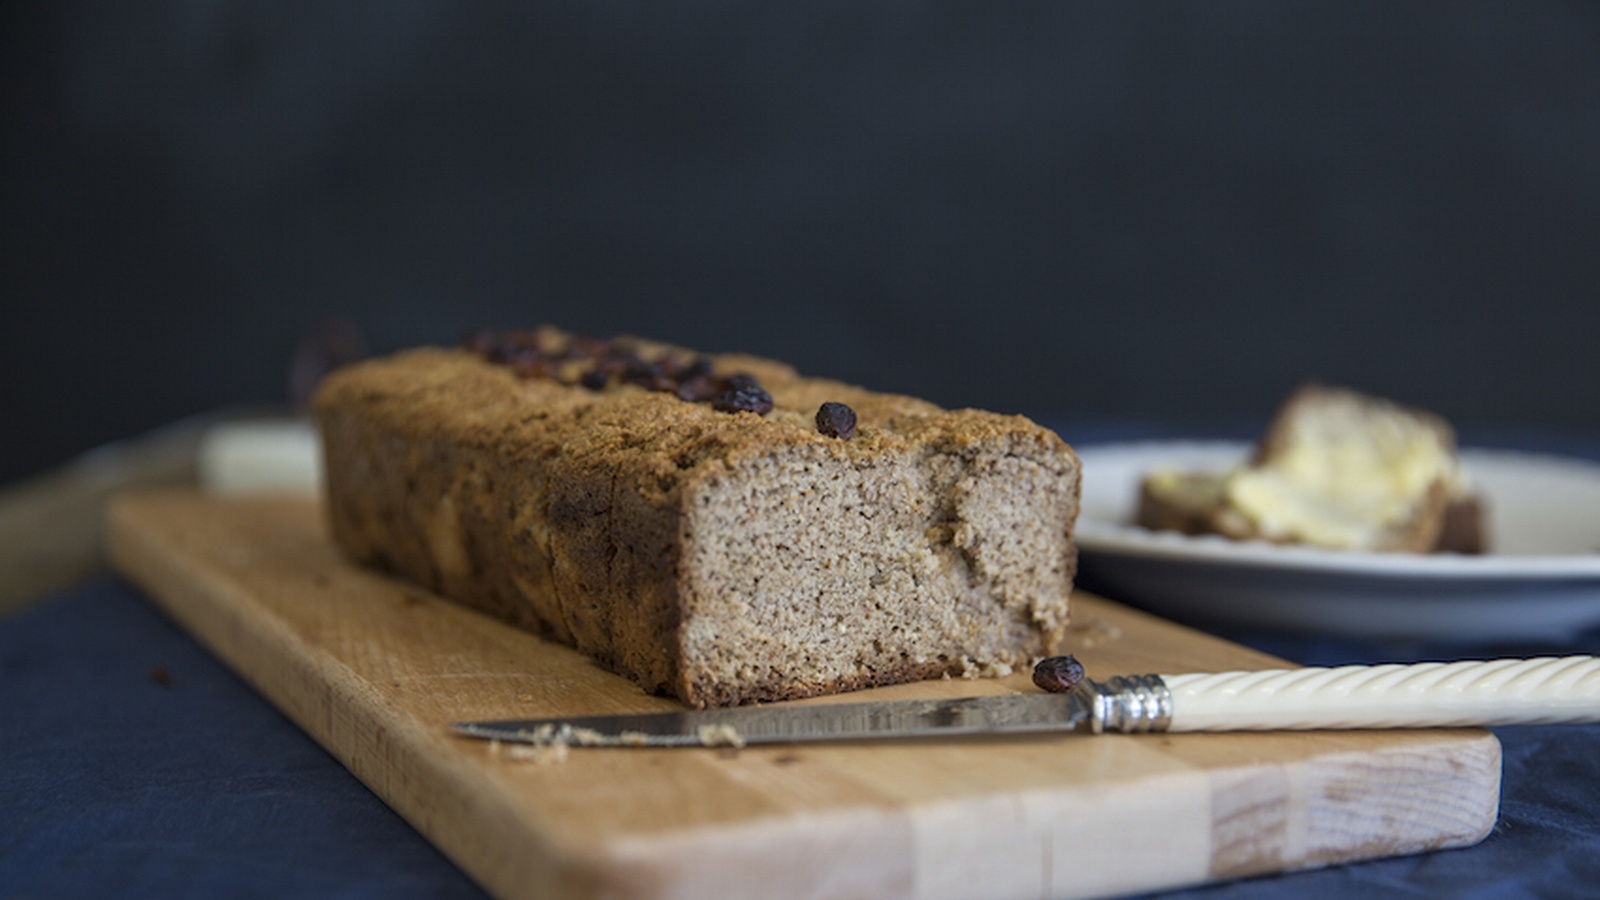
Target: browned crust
(715, 694)
(1465, 528)
(562, 510)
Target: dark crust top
(452, 394)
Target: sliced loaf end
(942, 547)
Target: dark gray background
(1154, 211)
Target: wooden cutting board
(375, 669)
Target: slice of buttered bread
(1344, 470)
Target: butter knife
(1546, 690)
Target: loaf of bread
(717, 528)
(1336, 469)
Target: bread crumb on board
(972, 670)
(723, 735)
(538, 754)
(549, 743)
(1091, 633)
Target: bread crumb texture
(719, 557)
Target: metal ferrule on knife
(1127, 703)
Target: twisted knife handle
(1421, 695)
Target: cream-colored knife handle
(1422, 695)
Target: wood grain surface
(375, 669)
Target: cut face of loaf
(719, 557)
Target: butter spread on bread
(1336, 469)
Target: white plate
(1540, 581)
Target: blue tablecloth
(133, 764)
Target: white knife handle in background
(1421, 695)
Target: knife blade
(1544, 690)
